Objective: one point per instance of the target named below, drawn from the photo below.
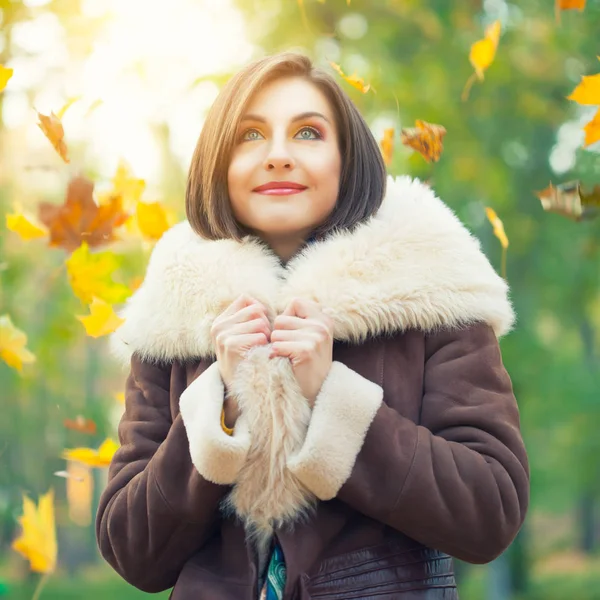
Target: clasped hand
(304, 335)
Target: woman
(317, 405)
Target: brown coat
(412, 453)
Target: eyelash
(313, 129)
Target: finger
(302, 308)
(288, 322)
(241, 343)
(240, 302)
(291, 349)
(283, 335)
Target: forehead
(289, 96)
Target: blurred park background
(131, 81)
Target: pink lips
(280, 188)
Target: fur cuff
(342, 415)
(217, 456)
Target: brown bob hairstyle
(363, 174)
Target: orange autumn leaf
(587, 92)
(353, 80)
(93, 458)
(80, 219)
(425, 138)
(52, 128)
(81, 424)
(37, 542)
(387, 145)
(482, 55)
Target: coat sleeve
(457, 482)
(167, 479)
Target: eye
(243, 137)
(312, 130)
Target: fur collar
(413, 265)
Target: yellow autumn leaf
(353, 80)
(102, 319)
(37, 542)
(127, 186)
(53, 129)
(93, 458)
(592, 130)
(482, 54)
(499, 233)
(61, 113)
(5, 75)
(152, 220)
(588, 90)
(90, 275)
(12, 345)
(25, 226)
(120, 397)
(497, 225)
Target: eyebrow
(300, 117)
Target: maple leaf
(37, 542)
(425, 138)
(81, 424)
(102, 319)
(80, 219)
(12, 345)
(93, 458)
(482, 55)
(25, 226)
(5, 75)
(91, 276)
(570, 200)
(353, 80)
(387, 145)
(53, 129)
(587, 91)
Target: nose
(278, 156)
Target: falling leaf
(120, 397)
(80, 219)
(91, 276)
(588, 90)
(67, 105)
(353, 80)
(54, 131)
(152, 220)
(482, 55)
(5, 75)
(569, 199)
(25, 226)
(12, 345)
(425, 138)
(102, 319)
(561, 5)
(499, 233)
(37, 542)
(93, 458)
(125, 185)
(81, 424)
(387, 145)
(592, 130)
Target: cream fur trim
(413, 265)
(218, 457)
(342, 415)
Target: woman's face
(287, 134)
